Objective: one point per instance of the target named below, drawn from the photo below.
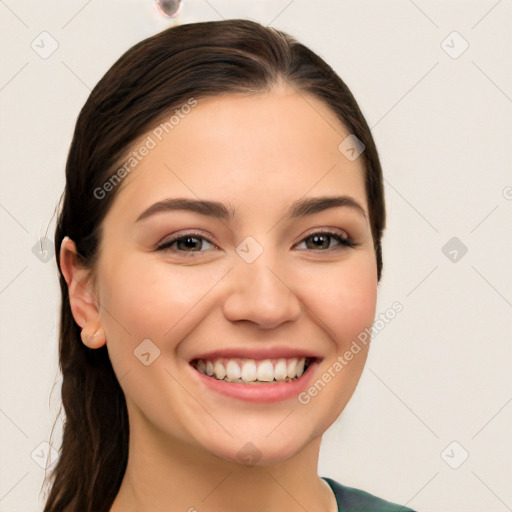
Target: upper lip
(257, 353)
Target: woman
(219, 244)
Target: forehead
(264, 149)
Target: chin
(262, 453)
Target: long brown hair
(149, 81)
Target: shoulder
(355, 500)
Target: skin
(256, 153)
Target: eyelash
(344, 242)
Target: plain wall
(437, 382)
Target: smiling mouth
(253, 371)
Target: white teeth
(266, 371)
(232, 371)
(292, 365)
(280, 372)
(249, 373)
(253, 371)
(300, 367)
(219, 370)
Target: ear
(82, 300)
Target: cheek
(156, 301)
(346, 308)
(150, 299)
(344, 296)
(357, 303)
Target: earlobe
(81, 295)
(93, 338)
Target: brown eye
(187, 243)
(322, 241)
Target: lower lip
(263, 393)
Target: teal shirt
(350, 499)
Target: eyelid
(344, 239)
(177, 236)
(327, 230)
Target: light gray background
(440, 371)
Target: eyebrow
(299, 208)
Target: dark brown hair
(149, 81)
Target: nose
(261, 294)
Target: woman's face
(254, 285)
